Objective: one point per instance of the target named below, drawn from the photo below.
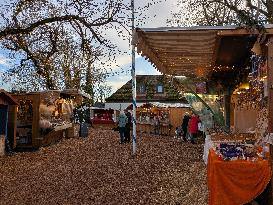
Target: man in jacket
(122, 121)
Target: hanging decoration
(201, 88)
(251, 95)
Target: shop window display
(39, 114)
(149, 117)
(24, 122)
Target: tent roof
(190, 50)
(6, 98)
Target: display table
(165, 129)
(236, 182)
(102, 121)
(210, 141)
(63, 126)
(145, 127)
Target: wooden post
(270, 97)
(227, 101)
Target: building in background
(157, 97)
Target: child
(178, 132)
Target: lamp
(200, 72)
(244, 85)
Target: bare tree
(102, 91)
(251, 13)
(59, 41)
(29, 15)
(58, 38)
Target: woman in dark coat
(184, 126)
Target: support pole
(133, 73)
(270, 99)
(227, 101)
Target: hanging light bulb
(200, 72)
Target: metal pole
(133, 73)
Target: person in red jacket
(194, 127)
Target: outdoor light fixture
(244, 86)
(200, 72)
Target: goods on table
(237, 146)
(234, 151)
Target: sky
(156, 16)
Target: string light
(252, 96)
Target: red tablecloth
(236, 182)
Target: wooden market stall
(43, 118)
(224, 56)
(170, 116)
(8, 121)
(101, 117)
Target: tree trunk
(50, 84)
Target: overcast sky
(156, 16)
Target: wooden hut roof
(186, 51)
(6, 98)
(124, 94)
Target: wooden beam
(241, 32)
(181, 33)
(186, 40)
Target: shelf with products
(40, 114)
(147, 114)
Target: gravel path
(98, 170)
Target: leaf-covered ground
(98, 170)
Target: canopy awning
(196, 51)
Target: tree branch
(14, 31)
(253, 7)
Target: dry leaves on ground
(98, 170)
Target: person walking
(128, 126)
(194, 128)
(156, 125)
(122, 121)
(185, 123)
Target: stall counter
(236, 182)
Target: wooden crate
(70, 132)
(73, 131)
